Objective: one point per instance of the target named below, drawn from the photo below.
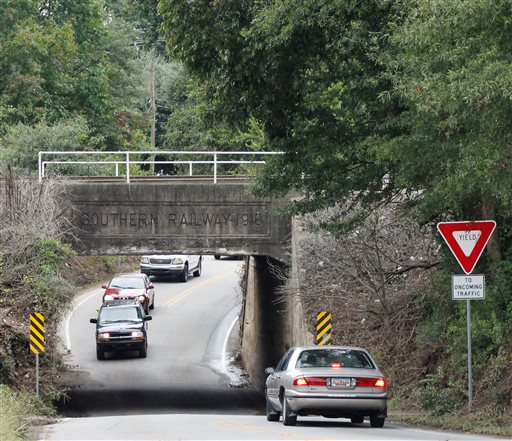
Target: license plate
(341, 383)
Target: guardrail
(126, 160)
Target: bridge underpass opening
(187, 217)
(195, 325)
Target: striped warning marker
(37, 333)
(323, 328)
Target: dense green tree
(37, 58)
(22, 142)
(307, 72)
(451, 64)
(366, 99)
(192, 124)
(61, 59)
(143, 15)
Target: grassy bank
(16, 409)
(486, 420)
(48, 287)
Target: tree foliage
(451, 64)
(64, 59)
(22, 142)
(365, 98)
(308, 73)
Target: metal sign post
(468, 287)
(37, 375)
(470, 369)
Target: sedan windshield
(112, 315)
(330, 357)
(127, 283)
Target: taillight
(310, 381)
(300, 382)
(380, 383)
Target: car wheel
(143, 352)
(152, 306)
(197, 272)
(377, 421)
(217, 256)
(272, 414)
(184, 274)
(100, 355)
(289, 418)
(357, 419)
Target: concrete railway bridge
(187, 213)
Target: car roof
(122, 275)
(122, 302)
(342, 348)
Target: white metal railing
(126, 161)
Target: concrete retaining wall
(273, 319)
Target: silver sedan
(332, 381)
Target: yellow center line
(250, 428)
(190, 290)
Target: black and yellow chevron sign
(37, 333)
(323, 328)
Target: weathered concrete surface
(273, 317)
(298, 332)
(264, 329)
(165, 216)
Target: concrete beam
(179, 217)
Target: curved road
(183, 389)
(184, 370)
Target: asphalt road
(184, 388)
(185, 370)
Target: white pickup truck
(171, 265)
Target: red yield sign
(467, 240)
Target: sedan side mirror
(93, 320)
(269, 370)
(104, 286)
(151, 287)
(147, 318)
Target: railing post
(39, 156)
(190, 168)
(127, 166)
(215, 168)
(117, 169)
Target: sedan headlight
(178, 261)
(108, 297)
(145, 260)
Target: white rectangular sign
(468, 287)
